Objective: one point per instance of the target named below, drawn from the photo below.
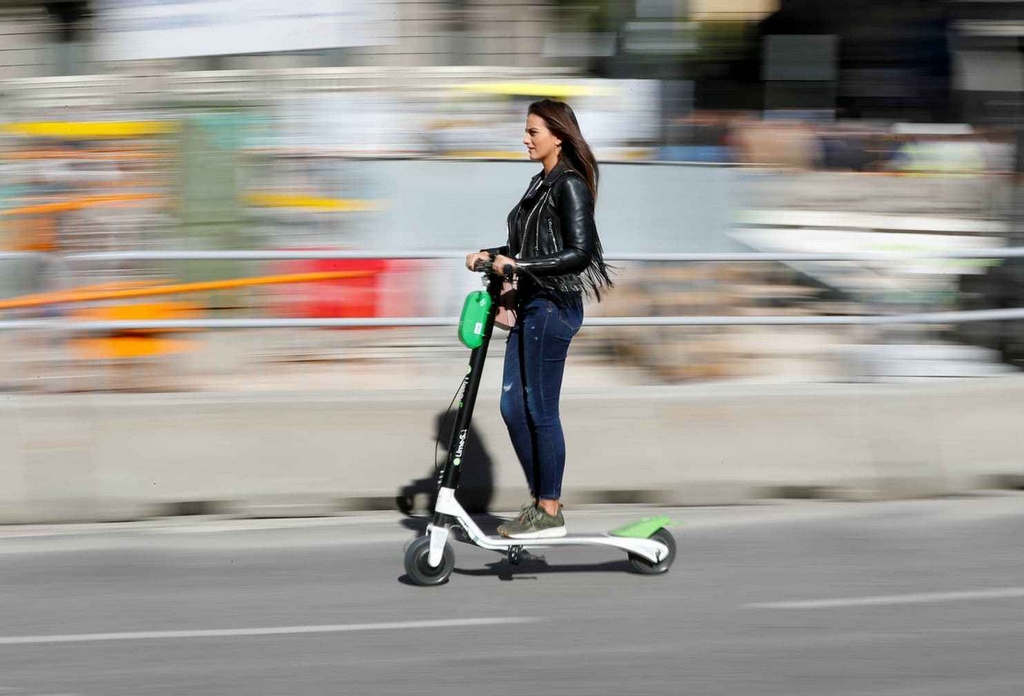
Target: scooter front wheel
(418, 568)
(645, 567)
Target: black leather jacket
(552, 235)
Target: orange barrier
(79, 204)
(143, 343)
(80, 155)
(133, 343)
(52, 298)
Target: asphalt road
(805, 599)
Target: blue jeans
(535, 355)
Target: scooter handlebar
(482, 266)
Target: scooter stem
(470, 386)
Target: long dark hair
(561, 121)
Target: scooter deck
(649, 548)
(567, 540)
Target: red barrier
(345, 298)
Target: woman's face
(540, 142)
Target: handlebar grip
(482, 266)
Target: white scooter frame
(429, 560)
(652, 550)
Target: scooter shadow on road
(531, 567)
(476, 487)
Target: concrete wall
(113, 457)
(26, 44)
(452, 204)
(445, 205)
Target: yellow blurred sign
(88, 130)
(298, 200)
(534, 89)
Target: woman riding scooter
(553, 247)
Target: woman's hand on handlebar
(474, 258)
(503, 265)
(481, 260)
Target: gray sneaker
(524, 509)
(534, 523)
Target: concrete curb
(104, 457)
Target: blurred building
(910, 60)
(990, 60)
(604, 37)
(65, 37)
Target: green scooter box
(475, 312)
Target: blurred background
(773, 172)
(232, 236)
(393, 127)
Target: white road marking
(889, 600)
(262, 631)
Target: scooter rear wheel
(645, 567)
(418, 569)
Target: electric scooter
(430, 559)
